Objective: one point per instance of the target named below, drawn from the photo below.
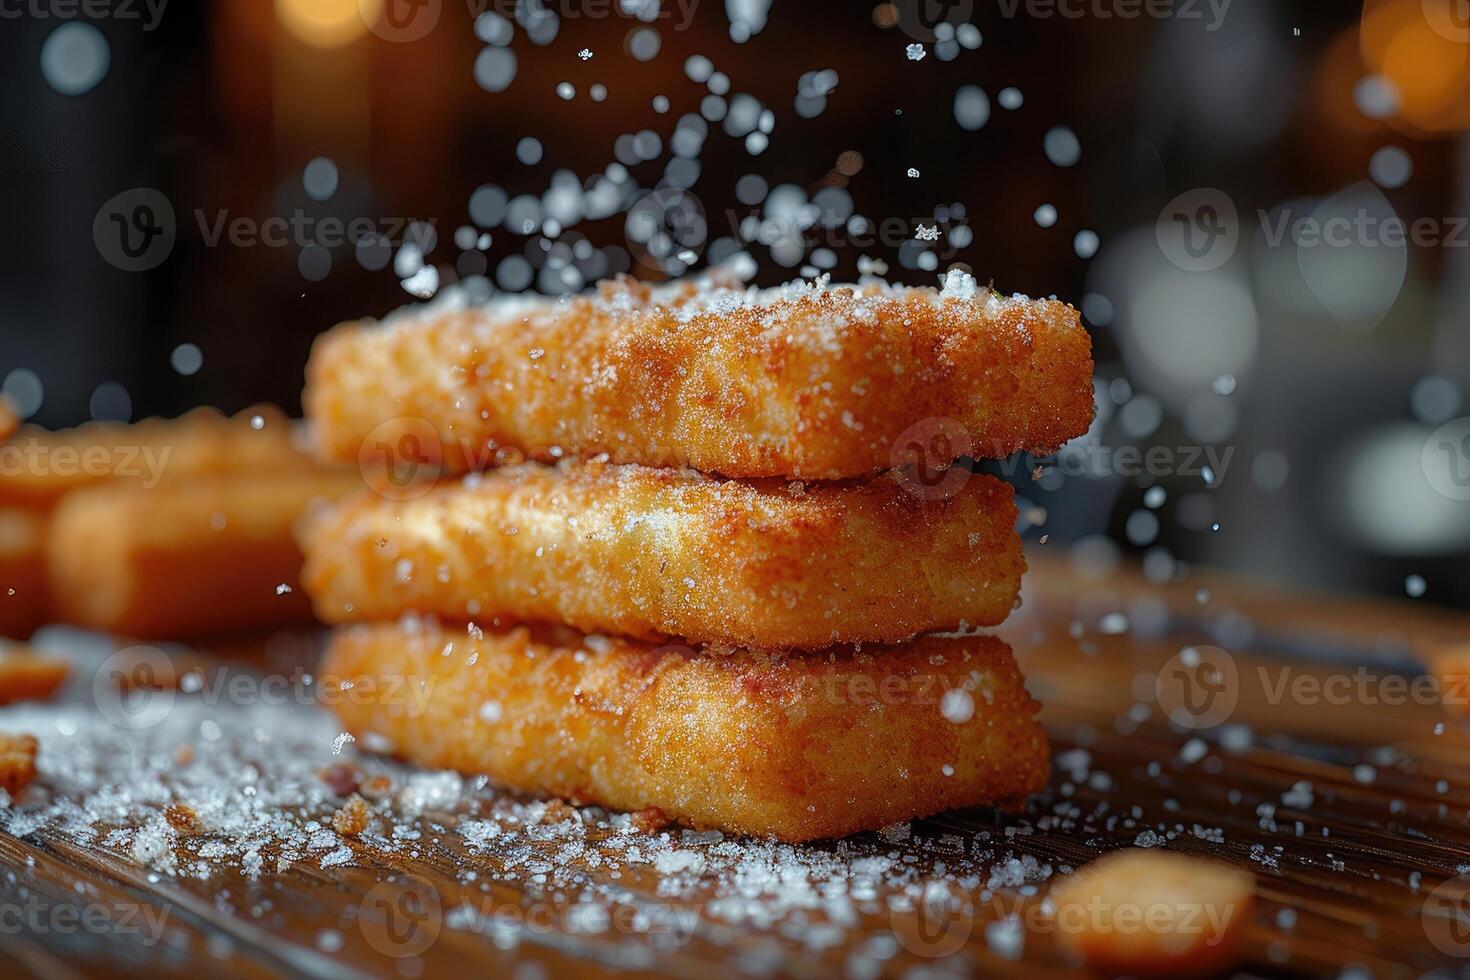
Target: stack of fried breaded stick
(708, 606)
(163, 529)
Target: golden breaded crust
(22, 572)
(809, 381)
(652, 553)
(186, 557)
(9, 421)
(29, 676)
(38, 468)
(795, 747)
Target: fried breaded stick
(811, 382)
(28, 676)
(794, 747)
(38, 468)
(22, 572)
(651, 553)
(184, 558)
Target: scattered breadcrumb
(17, 762)
(352, 818)
(341, 777)
(182, 817)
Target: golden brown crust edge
(821, 386)
(783, 746)
(654, 553)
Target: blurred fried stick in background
(110, 514)
(651, 553)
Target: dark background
(220, 106)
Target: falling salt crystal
(257, 422)
(915, 52)
(424, 283)
(1154, 497)
(566, 90)
(1006, 937)
(1224, 384)
(924, 234)
(1113, 624)
(913, 171)
(1194, 750)
(957, 705)
(283, 589)
(1415, 586)
(1208, 475)
(342, 739)
(475, 632)
(947, 769)
(585, 54)
(1364, 773)
(1045, 215)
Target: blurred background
(1260, 209)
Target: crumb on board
(182, 817)
(352, 818)
(17, 762)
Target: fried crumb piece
(342, 778)
(184, 754)
(352, 818)
(1154, 913)
(377, 787)
(182, 817)
(556, 811)
(17, 762)
(649, 820)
